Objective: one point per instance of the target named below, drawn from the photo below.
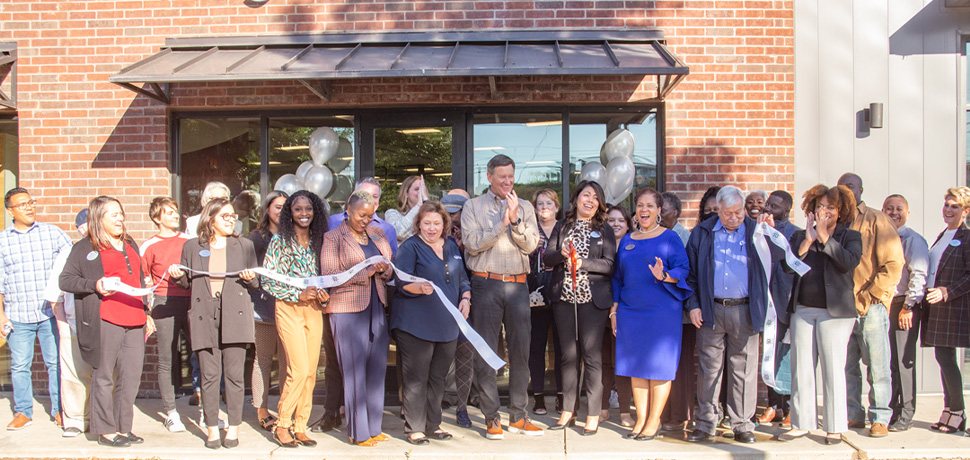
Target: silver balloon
(304, 167)
(341, 189)
(326, 207)
(319, 180)
(592, 171)
(618, 144)
(288, 183)
(323, 145)
(345, 153)
(619, 178)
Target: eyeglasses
(229, 217)
(24, 206)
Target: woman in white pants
(823, 310)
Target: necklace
(362, 239)
(649, 232)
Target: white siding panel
(870, 67)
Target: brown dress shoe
(855, 424)
(878, 430)
(19, 422)
(786, 422)
(767, 416)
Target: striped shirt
(26, 259)
(291, 260)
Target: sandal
(368, 443)
(951, 426)
(944, 416)
(268, 423)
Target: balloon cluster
(617, 176)
(329, 155)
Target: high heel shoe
(648, 437)
(590, 432)
(276, 437)
(569, 423)
(944, 416)
(955, 423)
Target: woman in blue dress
(647, 311)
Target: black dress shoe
(422, 441)
(135, 439)
(558, 427)
(746, 437)
(117, 441)
(230, 443)
(213, 443)
(441, 435)
(698, 436)
(327, 423)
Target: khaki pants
(300, 326)
(75, 380)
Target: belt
(503, 278)
(731, 302)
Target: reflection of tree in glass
(399, 155)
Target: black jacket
(236, 325)
(80, 277)
(599, 265)
(844, 250)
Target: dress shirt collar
(34, 225)
(718, 226)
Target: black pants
(171, 319)
(624, 387)
(227, 360)
(113, 402)
(333, 380)
(902, 365)
(424, 367)
(952, 379)
(589, 347)
(683, 390)
(542, 322)
(495, 303)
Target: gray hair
(729, 196)
(366, 180)
(360, 197)
(764, 194)
(209, 189)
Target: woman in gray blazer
(221, 313)
(822, 308)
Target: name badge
(955, 243)
(92, 255)
(630, 247)
(595, 234)
(204, 253)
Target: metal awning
(8, 72)
(315, 60)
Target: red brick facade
(730, 121)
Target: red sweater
(159, 253)
(122, 309)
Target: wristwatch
(517, 221)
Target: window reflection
(533, 141)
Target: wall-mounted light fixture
(873, 115)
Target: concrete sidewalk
(42, 440)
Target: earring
(659, 220)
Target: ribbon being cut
(770, 333)
(493, 360)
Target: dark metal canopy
(8, 71)
(314, 60)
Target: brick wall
(730, 121)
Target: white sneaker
(174, 422)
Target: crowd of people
(628, 299)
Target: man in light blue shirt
(28, 250)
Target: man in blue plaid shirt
(27, 252)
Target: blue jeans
(21, 344)
(869, 345)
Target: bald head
(854, 183)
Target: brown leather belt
(500, 277)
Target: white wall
(907, 55)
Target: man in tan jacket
(875, 279)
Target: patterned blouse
(578, 234)
(291, 260)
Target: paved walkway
(43, 440)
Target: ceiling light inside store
(544, 123)
(411, 169)
(419, 131)
(441, 174)
(544, 162)
(271, 163)
(293, 147)
(489, 148)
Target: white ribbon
(770, 332)
(329, 281)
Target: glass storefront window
(532, 140)
(9, 146)
(588, 132)
(289, 140)
(400, 153)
